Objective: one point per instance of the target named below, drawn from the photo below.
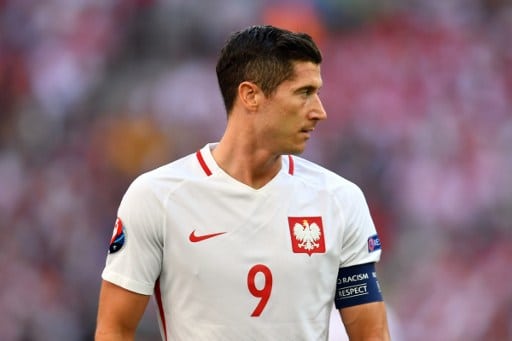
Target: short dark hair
(263, 55)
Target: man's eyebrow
(309, 88)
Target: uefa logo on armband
(373, 243)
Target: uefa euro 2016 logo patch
(374, 243)
(118, 237)
(307, 234)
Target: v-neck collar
(210, 167)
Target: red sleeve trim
(161, 313)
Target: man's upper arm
(366, 321)
(119, 312)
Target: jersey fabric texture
(230, 262)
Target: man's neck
(247, 162)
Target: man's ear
(250, 95)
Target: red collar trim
(206, 169)
(203, 163)
(291, 165)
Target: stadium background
(419, 97)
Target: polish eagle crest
(307, 234)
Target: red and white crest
(307, 234)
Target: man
(243, 240)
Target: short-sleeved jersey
(230, 262)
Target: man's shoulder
(311, 171)
(314, 175)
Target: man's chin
(296, 150)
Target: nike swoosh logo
(195, 238)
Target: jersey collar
(205, 158)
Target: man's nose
(318, 111)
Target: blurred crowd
(419, 101)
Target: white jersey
(230, 262)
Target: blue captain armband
(356, 285)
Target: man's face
(291, 113)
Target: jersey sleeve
(360, 242)
(136, 265)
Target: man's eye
(311, 92)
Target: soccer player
(243, 239)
